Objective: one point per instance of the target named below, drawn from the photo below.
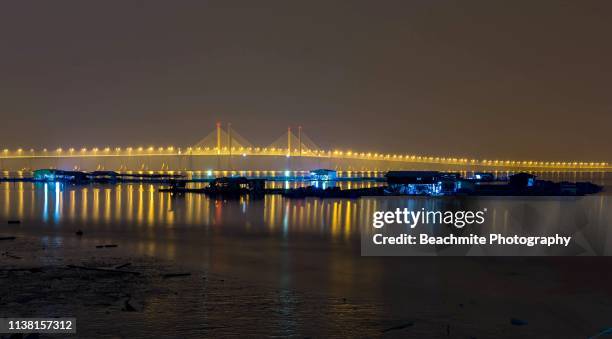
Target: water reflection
(127, 205)
(140, 205)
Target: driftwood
(31, 270)
(398, 327)
(174, 275)
(7, 254)
(108, 270)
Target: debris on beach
(7, 254)
(31, 270)
(517, 322)
(398, 327)
(100, 269)
(175, 275)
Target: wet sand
(436, 298)
(161, 301)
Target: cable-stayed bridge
(224, 149)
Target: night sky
(485, 79)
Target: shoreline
(39, 282)
(100, 288)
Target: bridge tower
(288, 141)
(218, 144)
(218, 138)
(229, 145)
(300, 139)
(229, 138)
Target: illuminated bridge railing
(284, 152)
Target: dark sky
(485, 79)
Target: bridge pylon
(299, 144)
(223, 140)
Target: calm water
(172, 226)
(309, 245)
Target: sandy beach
(141, 296)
